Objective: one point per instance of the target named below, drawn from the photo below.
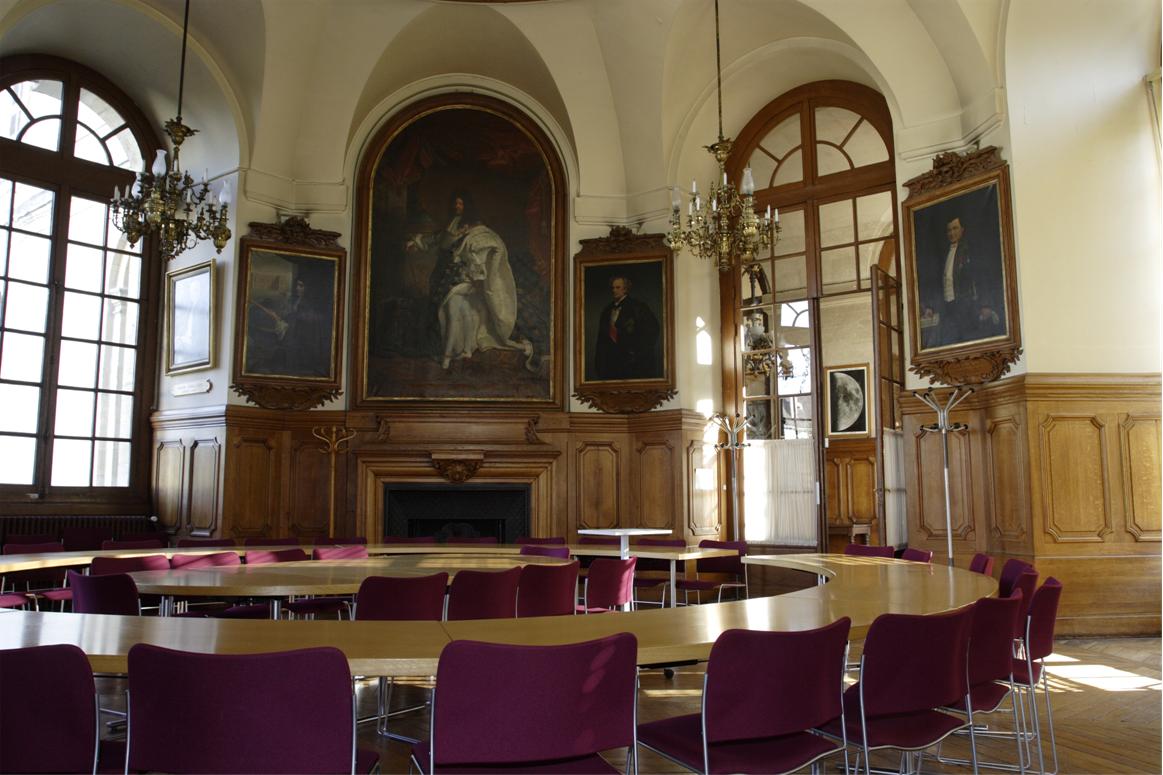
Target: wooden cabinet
(850, 485)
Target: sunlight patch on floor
(1109, 679)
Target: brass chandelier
(725, 226)
(165, 201)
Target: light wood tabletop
(861, 588)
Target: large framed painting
(461, 244)
(189, 339)
(624, 322)
(289, 315)
(959, 258)
(847, 404)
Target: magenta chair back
(48, 710)
(112, 593)
(137, 543)
(187, 714)
(84, 537)
(268, 556)
(34, 579)
(531, 541)
(917, 555)
(722, 564)
(866, 550)
(504, 705)
(103, 565)
(610, 583)
(1009, 574)
(991, 644)
(401, 598)
(412, 540)
(561, 552)
(1043, 615)
(981, 563)
(476, 594)
(547, 590)
(190, 543)
(1024, 585)
(215, 560)
(915, 663)
(348, 552)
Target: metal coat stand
(944, 427)
(335, 440)
(733, 428)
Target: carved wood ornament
(955, 189)
(457, 469)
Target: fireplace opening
(450, 512)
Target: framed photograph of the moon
(846, 400)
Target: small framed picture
(846, 400)
(190, 318)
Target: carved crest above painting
(624, 322)
(959, 258)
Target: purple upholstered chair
(917, 555)
(48, 713)
(136, 543)
(911, 666)
(215, 560)
(531, 708)
(654, 565)
(531, 541)
(395, 598)
(762, 694)
(545, 551)
(1009, 574)
(547, 590)
(40, 584)
(103, 565)
(82, 538)
(991, 658)
(109, 593)
(14, 599)
(268, 556)
(1025, 584)
(476, 594)
(981, 563)
(1037, 644)
(730, 566)
(865, 550)
(609, 584)
(185, 713)
(310, 607)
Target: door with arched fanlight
(815, 323)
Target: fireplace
(451, 511)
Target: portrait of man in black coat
(626, 339)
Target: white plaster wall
(1086, 183)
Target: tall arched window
(77, 337)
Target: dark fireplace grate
(449, 512)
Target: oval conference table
(860, 588)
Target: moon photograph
(847, 401)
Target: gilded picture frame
(288, 342)
(960, 268)
(847, 401)
(460, 254)
(190, 318)
(624, 322)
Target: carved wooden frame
(953, 179)
(623, 248)
(174, 279)
(297, 242)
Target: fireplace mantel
(527, 464)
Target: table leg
(673, 586)
(624, 547)
(276, 608)
(166, 606)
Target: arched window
(77, 305)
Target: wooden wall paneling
(254, 480)
(599, 497)
(308, 486)
(1106, 594)
(1007, 487)
(168, 481)
(1075, 478)
(930, 492)
(1141, 463)
(705, 488)
(204, 494)
(658, 501)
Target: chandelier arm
(718, 69)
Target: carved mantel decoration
(289, 325)
(959, 260)
(457, 467)
(624, 322)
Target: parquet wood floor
(1106, 701)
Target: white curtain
(896, 524)
(779, 491)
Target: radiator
(116, 525)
